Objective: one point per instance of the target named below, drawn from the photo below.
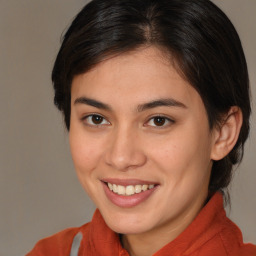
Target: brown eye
(95, 120)
(159, 121)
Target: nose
(125, 150)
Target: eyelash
(167, 121)
(90, 123)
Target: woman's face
(141, 130)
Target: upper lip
(127, 182)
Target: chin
(127, 228)
(127, 223)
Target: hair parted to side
(196, 34)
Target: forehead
(137, 76)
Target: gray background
(39, 191)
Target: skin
(128, 144)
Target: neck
(145, 244)
(148, 243)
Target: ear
(226, 135)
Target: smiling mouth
(130, 189)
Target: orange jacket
(210, 234)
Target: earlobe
(226, 135)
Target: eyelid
(168, 119)
(85, 117)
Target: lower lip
(127, 201)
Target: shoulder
(59, 243)
(215, 234)
(228, 242)
(232, 240)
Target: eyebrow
(168, 102)
(92, 102)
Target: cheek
(184, 154)
(86, 155)
(85, 152)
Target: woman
(155, 96)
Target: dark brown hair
(195, 33)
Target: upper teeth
(129, 190)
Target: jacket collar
(103, 241)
